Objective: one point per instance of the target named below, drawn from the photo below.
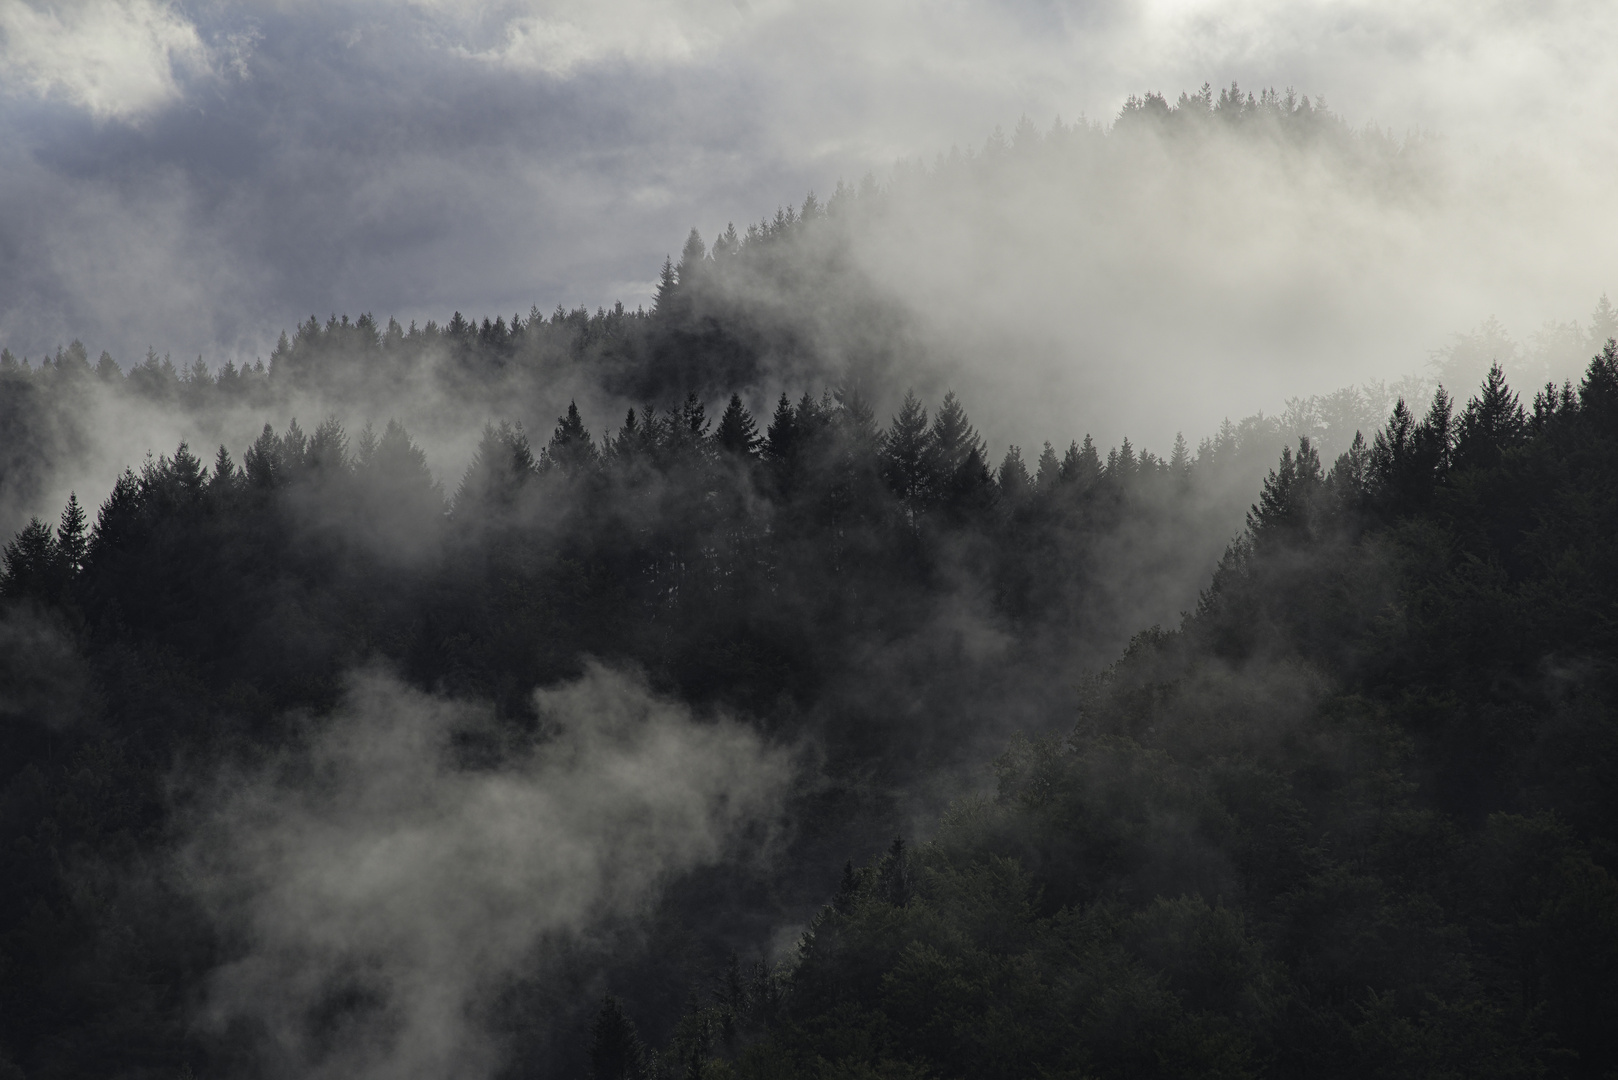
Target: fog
(199, 178)
(384, 883)
(1332, 205)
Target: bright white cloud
(113, 58)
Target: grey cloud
(412, 159)
(380, 888)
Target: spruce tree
(1081, 465)
(737, 434)
(1013, 475)
(906, 453)
(570, 446)
(662, 301)
(1048, 473)
(693, 260)
(29, 563)
(1491, 423)
(72, 539)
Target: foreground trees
(1352, 817)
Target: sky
(196, 177)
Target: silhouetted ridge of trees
(1354, 816)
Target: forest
(817, 739)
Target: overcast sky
(198, 176)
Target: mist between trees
(588, 758)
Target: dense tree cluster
(832, 579)
(1353, 818)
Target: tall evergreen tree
(667, 283)
(30, 562)
(1013, 475)
(571, 448)
(693, 260)
(1491, 423)
(1081, 465)
(72, 538)
(737, 434)
(955, 453)
(1048, 473)
(906, 454)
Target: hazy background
(198, 177)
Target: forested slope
(315, 761)
(1354, 818)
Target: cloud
(379, 888)
(116, 59)
(558, 38)
(412, 159)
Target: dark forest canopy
(1353, 815)
(1346, 810)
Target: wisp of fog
(378, 887)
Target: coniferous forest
(780, 727)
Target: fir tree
(1048, 473)
(1013, 475)
(1491, 423)
(72, 539)
(737, 434)
(570, 446)
(29, 563)
(906, 454)
(662, 302)
(693, 259)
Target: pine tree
(1081, 465)
(1180, 458)
(693, 260)
(500, 466)
(29, 563)
(953, 438)
(662, 302)
(737, 434)
(1013, 475)
(694, 422)
(222, 480)
(72, 539)
(399, 468)
(1598, 392)
(1048, 473)
(1350, 477)
(189, 472)
(1286, 508)
(1491, 423)
(263, 460)
(328, 447)
(906, 454)
(570, 446)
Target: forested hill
(324, 756)
(1353, 816)
(793, 301)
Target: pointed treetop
(737, 433)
